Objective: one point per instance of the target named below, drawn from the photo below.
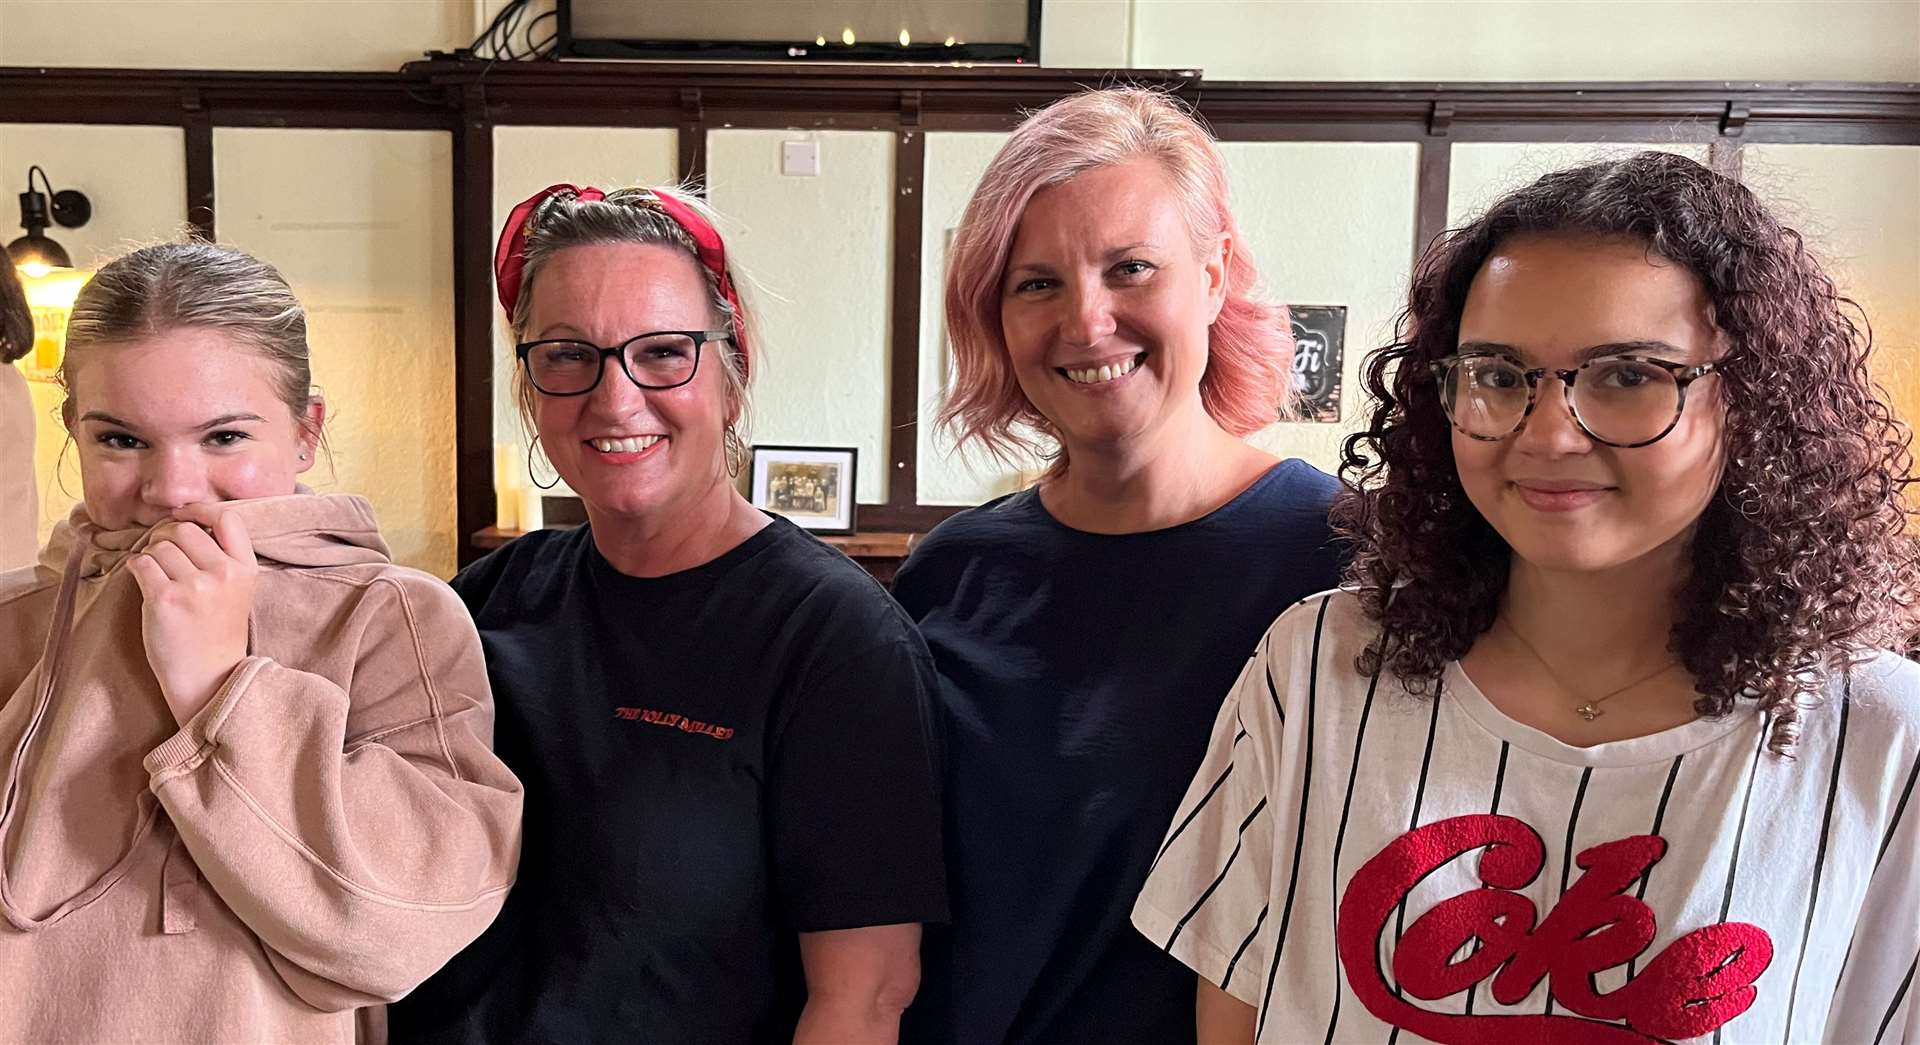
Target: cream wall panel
(1536, 40)
(955, 162)
(1086, 34)
(231, 34)
(820, 250)
(136, 178)
(1482, 172)
(1330, 223)
(1859, 208)
(528, 159)
(361, 225)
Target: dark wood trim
(1840, 113)
(824, 94)
(692, 159)
(473, 307)
(470, 98)
(1723, 155)
(912, 518)
(1430, 200)
(200, 210)
(239, 99)
(903, 409)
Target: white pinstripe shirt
(1346, 845)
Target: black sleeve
(478, 580)
(853, 804)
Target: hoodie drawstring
(51, 661)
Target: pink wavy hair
(1248, 383)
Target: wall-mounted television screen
(803, 30)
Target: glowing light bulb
(846, 36)
(949, 41)
(905, 37)
(820, 42)
(35, 269)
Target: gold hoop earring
(736, 450)
(535, 479)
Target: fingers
(147, 574)
(203, 512)
(229, 540)
(198, 545)
(173, 563)
(232, 533)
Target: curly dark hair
(1801, 560)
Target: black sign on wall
(1319, 331)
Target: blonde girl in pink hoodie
(246, 774)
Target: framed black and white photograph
(1319, 332)
(810, 485)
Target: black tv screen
(803, 30)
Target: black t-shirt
(1080, 675)
(714, 761)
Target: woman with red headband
(732, 819)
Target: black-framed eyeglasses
(1623, 400)
(657, 360)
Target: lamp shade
(36, 255)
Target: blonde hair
(627, 216)
(202, 286)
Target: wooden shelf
(876, 545)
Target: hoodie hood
(299, 529)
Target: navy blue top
(1080, 675)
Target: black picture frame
(787, 481)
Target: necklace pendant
(1588, 711)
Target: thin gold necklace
(1589, 710)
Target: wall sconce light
(34, 254)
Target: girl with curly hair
(1600, 742)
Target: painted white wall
(948, 475)
(1230, 39)
(1859, 208)
(136, 179)
(1086, 34)
(1482, 172)
(1537, 40)
(528, 159)
(231, 34)
(360, 224)
(819, 253)
(1330, 223)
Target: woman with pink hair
(1104, 314)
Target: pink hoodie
(324, 835)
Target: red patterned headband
(510, 255)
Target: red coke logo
(1696, 984)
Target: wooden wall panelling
(474, 309)
(470, 98)
(199, 130)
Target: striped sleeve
(1875, 1001)
(1205, 899)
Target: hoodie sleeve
(362, 828)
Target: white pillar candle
(506, 486)
(531, 516)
